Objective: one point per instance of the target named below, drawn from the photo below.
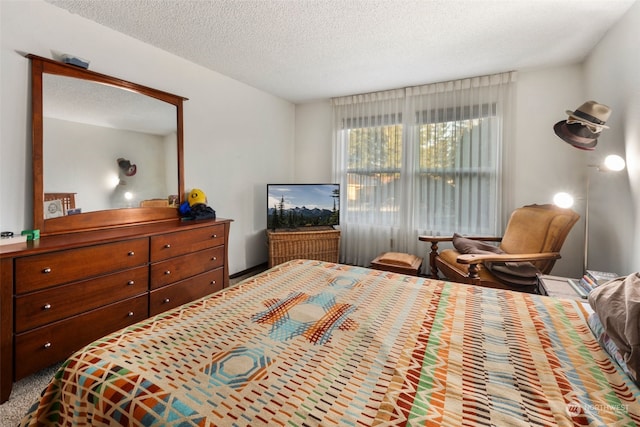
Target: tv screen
(295, 206)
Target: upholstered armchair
(529, 246)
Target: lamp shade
(613, 163)
(563, 200)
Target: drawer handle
(47, 345)
(168, 272)
(214, 236)
(214, 258)
(166, 300)
(167, 246)
(131, 253)
(213, 282)
(131, 283)
(46, 306)
(130, 314)
(46, 270)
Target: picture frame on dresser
(53, 209)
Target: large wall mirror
(106, 152)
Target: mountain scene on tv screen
(299, 206)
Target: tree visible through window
(420, 160)
(454, 168)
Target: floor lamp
(612, 163)
(581, 129)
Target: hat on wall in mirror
(584, 125)
(126, 167)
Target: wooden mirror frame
(99, 219)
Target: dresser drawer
(178, 268)
(185, 291)
(42, 307)
(44, 346)
(182, 242)
(55, 268)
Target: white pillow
(617, 304)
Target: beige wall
(612, 76)
(282, 142)
(237, 138)
(538, 163)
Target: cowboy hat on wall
(583, 126)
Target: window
(418, 161)
(457, 173)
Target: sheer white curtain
(420, 160)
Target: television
(300, 206)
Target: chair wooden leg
(474, 277)
(432, 260)
(473, 271)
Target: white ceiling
(81, 101)
(304, 50)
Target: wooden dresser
(61, 292)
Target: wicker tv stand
(318, 243)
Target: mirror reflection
(105, 148)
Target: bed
(314, 343)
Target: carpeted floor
(24, 394)
(27, 391)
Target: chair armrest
(478, 258)
(435, 239)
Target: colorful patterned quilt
(309, 343)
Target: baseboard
(255, 268)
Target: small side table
(319, 243)
(558, 287)
(398, 262)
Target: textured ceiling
(77, 100)
(304, 50)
